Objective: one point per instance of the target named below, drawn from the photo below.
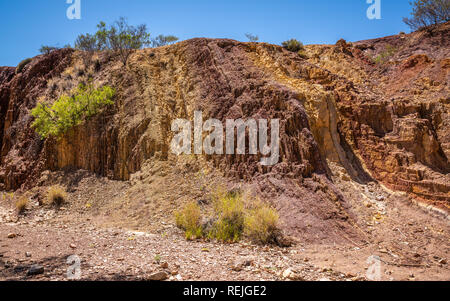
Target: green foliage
(22, 65)
(124, 38)
(384, 56)
(87, 43)
(163, 40)
(234, 216)
(189, 219)
(293, 45)
(45, 49)
(69, 111)
(251, 37)
(229, 210)
(120, 38)
(428, 12)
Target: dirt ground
(113, 242)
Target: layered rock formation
(385, 121)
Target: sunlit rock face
(386, 121)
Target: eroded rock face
(388, 122)
(399, 122)
(20, 147)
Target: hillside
(364, 154)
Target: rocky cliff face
(385, 121)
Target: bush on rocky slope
(293, 45)
(69, 111)
(120, 37)
(428, 13)
(22, 65)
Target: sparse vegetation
(22, 65)
(235, 216)
(45, 49)
(69, 111)
(22, 204)
(293, 45)
(7, 196)
(427, 13)
(120, 38)
(384, 56)
(252, 37)
(189, 220)
(163, 40)
(230, 216)
(56, 195)
(89, 44)
(261, 224)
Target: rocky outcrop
(20, 147)
(387, 122)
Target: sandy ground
(409, 243)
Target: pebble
(159, 276)
(35, 270)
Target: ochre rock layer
(386, 121)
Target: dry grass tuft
(261, 224)
(189, 220)
(56, 195)
(22, 204)
(235, 215)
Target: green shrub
(47, 49)
(22, 65)
(293, 45)
(69, 111)
(189, 220)
(120, 38)
(235, 216)
(163, 40)
(87, 43)
(428, 13)
(230, 216)
(252, 38)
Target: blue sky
(27, 24)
